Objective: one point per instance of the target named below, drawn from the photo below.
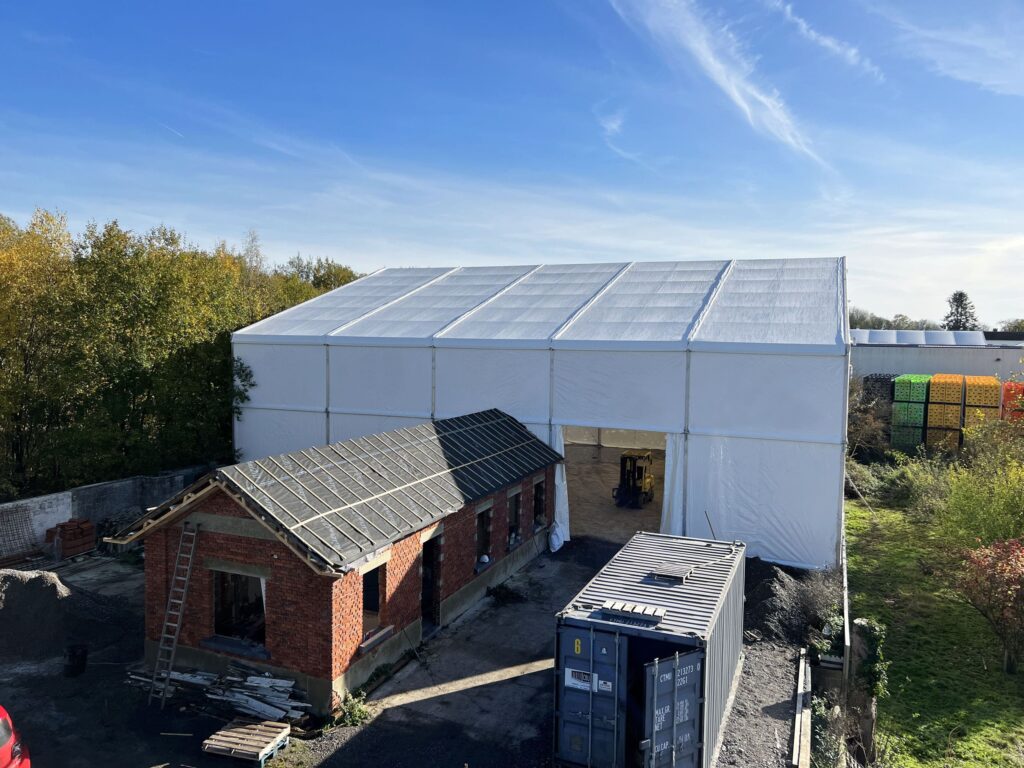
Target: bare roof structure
(340, 503)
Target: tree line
(115, 351)
(961, 316)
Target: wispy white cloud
(989, 56)
(845, 51)
(611, 123)
(682, 30)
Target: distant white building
(966, 352)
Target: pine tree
(961, 315)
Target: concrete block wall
(118, 501)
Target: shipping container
(646, 655)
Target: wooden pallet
(252, 740)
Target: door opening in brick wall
(540, 505)
(373, 588)
(431, 593)
(239, 607)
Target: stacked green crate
(910, 397)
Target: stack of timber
(243, 689)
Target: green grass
(949, 703)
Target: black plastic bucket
(75, 657)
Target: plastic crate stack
(878, 390)
(910, 395)
(1013, 401)
(982, 398)
(945, 412)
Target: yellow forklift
(636, 479)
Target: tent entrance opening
(615, 479)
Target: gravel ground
(759, 731)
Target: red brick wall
(403, 583)
(299, 601)
(314, 622)
(458, 543)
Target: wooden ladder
(173, 616)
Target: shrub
(828, 737)
(353, 710)
(992, 581)
(913, 483)
(798, 608)
(984, 503)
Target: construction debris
(242, 688)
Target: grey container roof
(342, 502)
(686, 579)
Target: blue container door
(589, 725)
(672, 717)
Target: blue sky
(403, 133)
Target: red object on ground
(13, 752)
(76, 537)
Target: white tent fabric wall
(559, 533)
(720, 356)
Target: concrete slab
(482, 691)
(591, 474)
(105, 576)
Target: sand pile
(33, 609)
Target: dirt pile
(784, 607)
(33, 609)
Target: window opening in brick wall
(483, 538)
(515, 509)
(540, 510)
(373, 586)
(238, 607)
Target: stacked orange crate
(981, 401)
(945, 411)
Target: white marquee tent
(743, 365)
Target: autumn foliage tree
(992, 581)
(115, 348)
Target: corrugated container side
(721, 661)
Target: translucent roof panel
(777, 302)
(422, 314)
(918, 337)
(321, 315)
(536, 307)
(650, 302)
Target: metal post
(654, 716)
(615, 706)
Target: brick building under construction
(323, 564)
